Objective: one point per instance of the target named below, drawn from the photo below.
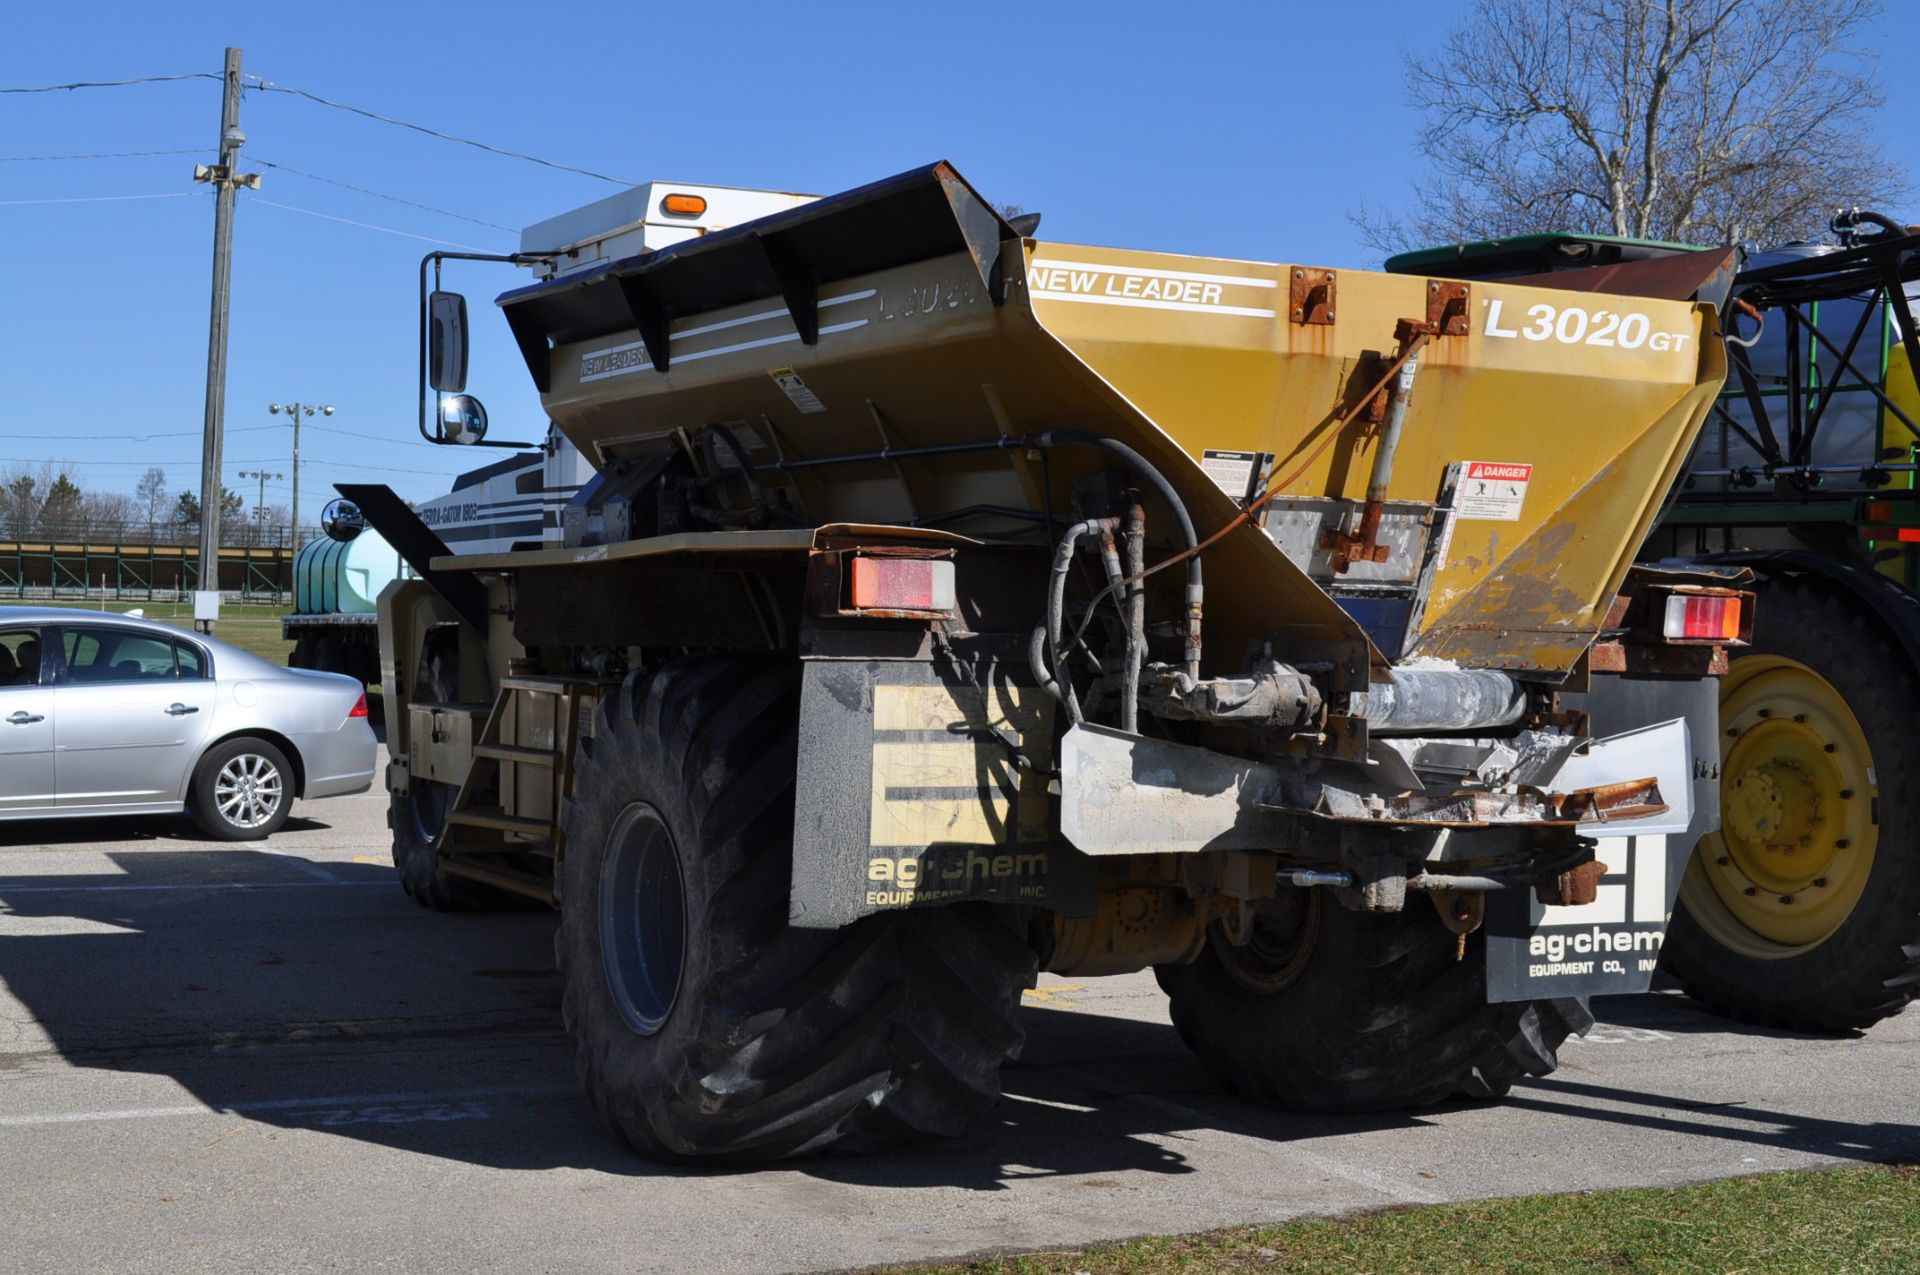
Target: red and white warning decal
(1492, 491)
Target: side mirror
(463, 419)
(342, 520)
(447, 342)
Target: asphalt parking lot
(228, 1058)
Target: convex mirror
(342, 520)
(462, 418)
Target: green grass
(1825, 1221)
(251, 628)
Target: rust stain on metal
(1480, 807)
(1461, 911)
(1447, 307)
(1312, 294)
(1678, 661)
(1574, 888)
(1630, 799)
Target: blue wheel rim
(643, 918)
(427, 806)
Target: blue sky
(1232, 129)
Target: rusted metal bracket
(1447, 307)
(1480, 808)
(1344, 548)
(1462, 912)
(1574, 888)
(1632, 641)
(1312, 295)
(1363, 543)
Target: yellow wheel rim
(1797, 814)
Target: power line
(79, 464)
(330, 432)
(144, 438)
(99, 199)
(348, 464)
(364, 225)
(113, 84)
(270, 87)
(35, 159)
(70, 466)
(332, 181)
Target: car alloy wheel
(248, 790)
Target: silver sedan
(105, 714)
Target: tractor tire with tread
(736, 1037)
(1822, 650)
(1371, 1012)
(415, 817)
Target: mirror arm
(432, 261)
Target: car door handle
(26, 719)
(180, 710)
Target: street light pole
(260, 501)
(296, 411)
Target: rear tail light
(359, 708)
(901, 584)
(1703, 618)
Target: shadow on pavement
(170, 828)
(1676, 1014)
(1881, 1141)
(314, 995)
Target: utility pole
(260, 501)
(295, 410)
(224, 181)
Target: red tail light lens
(901, 584)
(1713, 619)
(359, 708)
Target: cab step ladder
(504, 831)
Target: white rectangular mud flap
(1610, 946)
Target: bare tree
(1701, 121)
(111, 515)
(152, 495)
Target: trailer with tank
(949, 604)
(338, 576)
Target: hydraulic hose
(1136, 543)
(1274, 488)
(1195, 598)
(1056, 612)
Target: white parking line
(332, 1103)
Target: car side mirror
(342, 520)
(463, 418)
(447, 342)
